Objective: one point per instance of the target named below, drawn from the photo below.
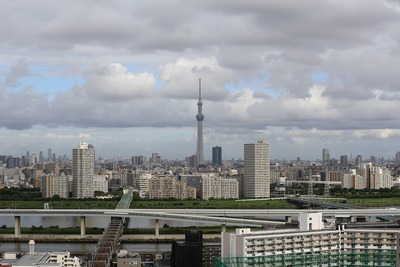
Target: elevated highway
(205, 215)
(329, 205)
(218, 216)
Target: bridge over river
(108, 242)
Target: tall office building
(217, 156)
(82, 171)
(256, 170)
(155, 159)
(397, 156)
(200, 118)
(343, 160)
(358, 161)
(49, 154)
(325, 156)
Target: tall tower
(82, 171)
(256, 170)
(200, 118)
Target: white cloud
(181, 78)
(113, 82)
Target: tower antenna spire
(199, 88)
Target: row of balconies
(369, 235)
(369, 241)
(300, 247)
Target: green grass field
(211, 204)
(186, 204)
(375, 202)
(67, 204)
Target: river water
(81, 247)
(101, 222)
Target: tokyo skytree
(200, 118)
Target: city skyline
(123, 76)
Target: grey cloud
(16, 72)
(292, 76)
(27, 109)
(281, 42)
(177, 25)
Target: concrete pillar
(83, 225)
(223, 227)
(353, 219)
(157, 229)
(17, 225)
(288, 219)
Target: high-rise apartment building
(83, 171)
(217, 156)
(13, 162)
(200, 118)
(358, 160)
(49, 154)
(155, 159)
(256, 170)
(137, 160)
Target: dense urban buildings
(256, 170)
(83, 170)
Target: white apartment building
(83, 170)
(380, 178)
(214, 186)
(312, 240)
(369, 176)
(229, 188)
(40, 259)
(161, 187)
(210, 186)
(51, 185)
(353, 180)
(256, 170)
(141, 182)
(100, 183)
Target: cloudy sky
(123, 75)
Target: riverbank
(140, 238)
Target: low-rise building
(40, 259)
